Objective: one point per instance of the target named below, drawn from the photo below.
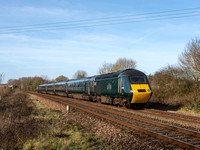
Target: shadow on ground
(164, 107)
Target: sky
(58, 37)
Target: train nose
(141, 93)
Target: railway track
(181, 120)
(163, 116)
(170, 115)
(176, 135)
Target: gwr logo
(109, 86)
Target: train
(128, 88)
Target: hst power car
(126, 87)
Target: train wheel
(99, 100)
(111, 101)
(127, 105)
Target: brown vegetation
(179, 86)
(61, 78)
(27, 83)
(31, 83)
(4, 92)
(26, 124)
(170, 90)
(15, 124)
(80, 74)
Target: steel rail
(149, 132)
(160, 115)
(172, 127)
(171, 117)
(165, 115)
(156, 114)
(149, 113)
(174, 114)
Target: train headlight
(149, 90)
(132, 91)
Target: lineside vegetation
(26, 124)
(178, 86)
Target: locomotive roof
(130, 72)
(127, 72)
(60, 83)
(42, 85)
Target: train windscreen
(138, 80)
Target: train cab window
(138, 80)
(124, 84)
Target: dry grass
(26, 124)
(15, 125)
(4, 92)
(189, 112)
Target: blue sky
(152, 44)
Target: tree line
(31, 83)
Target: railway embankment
(126, 129)
(27, 123)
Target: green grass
(61, 134)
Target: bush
(172, 89)
(4, 92)
(16, 126)
(194, 103)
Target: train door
(119, 85)
(92, 85)
(54, 88)
(88, 87)
(66, 88)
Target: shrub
(16, 126)
(4, 92)
(194, 103)
(172, 89)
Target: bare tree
(120, 64)
(1, 77)
(14, 82)
(61, 78)
(106, 68)
(124, 63)
(80, 74)
(189, 60)
(46, 78)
